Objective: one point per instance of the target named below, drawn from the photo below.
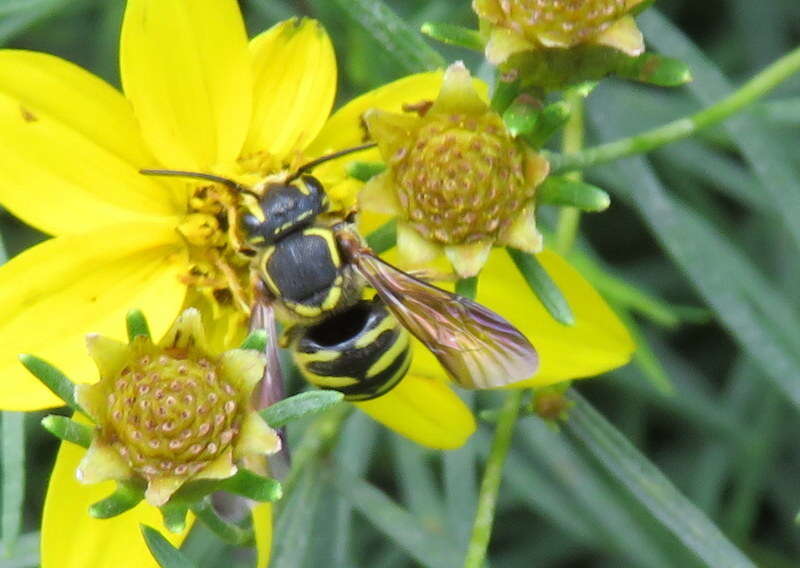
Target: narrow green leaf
(522, 115)
(300, 405)
(52, 378)
(227, 532)
(453, 35)
(567, 192)
(459, 472)
(68, 430)
(364, 171)
(551, 119)
(292, 535)
(136, 324)
(467, 287)
(257, 341)
(427, 548)
(174, 515)
(543, 286)
(13, 470)
(383, 238)
(645, 358)
(506, 90)
(253, 486)
(399, 40)
(655, 69)
(654, 491)
(163, 552)
(417, 483)
(124, 498)
(768, 160)
(728, 282)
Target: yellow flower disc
(461, 179)
(565, 22)
(171, 415)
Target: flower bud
(456, 178)
(171, 412)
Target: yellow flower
(528, 25)
(423, 407)
(171, 413)
(456, 178)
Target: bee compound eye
(250, 223)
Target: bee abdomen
(362, 352)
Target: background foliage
(711, 402)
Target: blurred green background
(704, 223)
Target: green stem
(487, 497)
(569, 218)
(751, 91)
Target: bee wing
(477, 347)
(271, 389)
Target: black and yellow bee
(311, 269)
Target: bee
(310, 269)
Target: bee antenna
(307, 167)
(199, 175)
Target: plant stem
(751, 91)
(490, 484)
(569, 218)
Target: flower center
(170, 414)
(572, 21)
(461, 179)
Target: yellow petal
(344, 127)
(256, 438)
(624, 36)
(378, 195)
(294, 82)
(598, 342)
(504, 43)
(242, 368)
(72, 539)
(108, 354)
(102, 463)
(186, 70)
(54, 293)
(425, 411)
(262, 525)
(413, 247)
(458, 93)
(71, 149)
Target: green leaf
(655, 69)
(427, 548)
(253, 486)
(645, 358)
(136, 324)
(551, 119)
(300, 405)
(467, 287)
(543, 286)
(364, 171)
(383, 238)
(567, 192)
(256, 340)
(768, 160)
(68, 430)
(728, 282)
(13, 470)
(399, 40)
(227, 532)
(16, 16)
(174, 515)
(417, 483)
(163, 552)
(292, 535)
(453, 35)
(654, 491)
(124, 498)
(52, 378)
(522, 115)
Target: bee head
(286, 207)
